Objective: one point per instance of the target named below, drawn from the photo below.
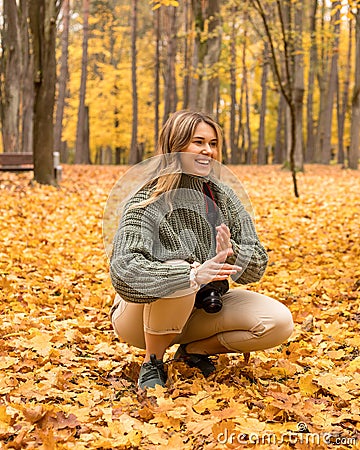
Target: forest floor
(66, 381)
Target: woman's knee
(127, 322)
(271, 330)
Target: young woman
(181, 236)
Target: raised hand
(223, 238)
(216, 269)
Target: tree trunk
(285, 82)
(170, 96)
(234, 152)
(299, 87)
(328, 113)
(355, 105)
(187, 59)
(322, 77)
(343, 107)
(28, 93)
(86, 132)
(206, 55)
(62, 81)
(288, 137)
(81, 154)
(261, 155)
(280, 132)
(310, 142)
(157, 76)
(241, 131)
(133, 157)
(240, 137)
(248, 129)
(43, 14)
(12, 77)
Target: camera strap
(211, 207)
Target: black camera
(209, 296)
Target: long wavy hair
(175, 136)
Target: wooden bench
(16, 161)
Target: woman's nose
(206, 149)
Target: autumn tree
(170, 41)
(11, 76)
(205, 56)
(234, 151)
(157, 74)
(82, 155)
(62, 80)
(261, 152)
(313, 61)
(331, 87)
(290, 77)
(27, 83)
(43, 15)
(134, 157)
(188, 23)
(343, 99)
(244, 125)
(354, 151)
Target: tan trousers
(247, 322)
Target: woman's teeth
(203, 162)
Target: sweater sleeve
(249, 253)
(135, 274)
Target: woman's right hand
(216, 269)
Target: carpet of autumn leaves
(66, 382)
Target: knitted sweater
(148, 237)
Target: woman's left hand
(223, 235)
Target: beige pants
(248, 321)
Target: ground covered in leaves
(66, 382)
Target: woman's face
(196, 159)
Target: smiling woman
(180, 238)
(196, 157)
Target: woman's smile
(197, 157)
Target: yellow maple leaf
(307, 385)
(40, 343)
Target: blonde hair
(175, 136)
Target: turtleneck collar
(196, 182)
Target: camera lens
(212, 302)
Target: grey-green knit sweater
(148, 237)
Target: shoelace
(156, 369)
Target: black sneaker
(152, 373)
(202, 362)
